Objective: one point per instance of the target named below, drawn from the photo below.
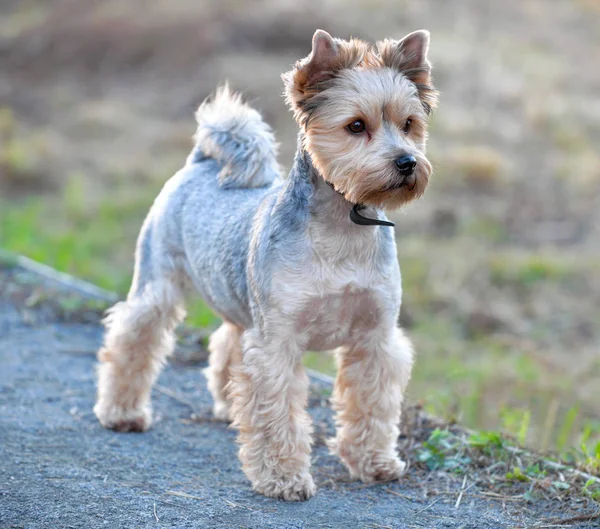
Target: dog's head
(364, 112)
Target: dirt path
(61, 469)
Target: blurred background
(500, 259)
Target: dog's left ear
(414, 48)
(409, 57)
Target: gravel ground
(60, 468)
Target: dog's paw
(380, 470)
(299, 488)
(123, 420)
(366, 466)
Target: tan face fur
(388, 89)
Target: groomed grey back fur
(234, 134)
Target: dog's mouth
(397, 191)
(408, 182)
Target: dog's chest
(331, 320)
(333, 306)
(338, 288)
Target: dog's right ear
(319, 65)
(312, 75)
(303, 80)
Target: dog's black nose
(406, 164)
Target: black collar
(357, 218)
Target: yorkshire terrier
(306, 263)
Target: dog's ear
(409, 57)
(319, 66)
(310, 76)
(414, 49)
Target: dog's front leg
(269, 391)
(369, 389)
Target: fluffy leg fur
(269, 391)
(225, 350)
(140, 335)
(369, 388)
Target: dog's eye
(406, 128)
(357, 126)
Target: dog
(303, 263)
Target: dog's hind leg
(140, 335)
(225, 351)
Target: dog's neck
(310, 203)
(325, 203)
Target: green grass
(484, 384)
(527, 271)
(504, 464)
(323, 362)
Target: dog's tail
(235, 135)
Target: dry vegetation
(501, 259)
